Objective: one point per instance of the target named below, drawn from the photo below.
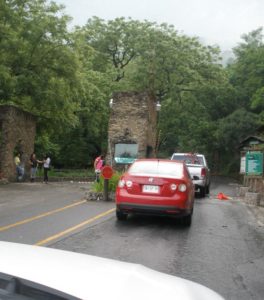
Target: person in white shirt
(46, 166)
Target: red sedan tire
(187, 220)
(120, 215)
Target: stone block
(242, 191)
(99, 196)
(252, 198)
(3, 181)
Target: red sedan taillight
(129, 183)
(122, 183)
(181, 187)
(173, 187)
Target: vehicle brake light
(203, 172)
(173, 186)
(129, 183)
(182, 187)
(121, 183)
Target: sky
(215, 22)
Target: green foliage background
(66, 78)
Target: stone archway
(17, 133)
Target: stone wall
(17, 131)
(254, 183)
(252, 190)
(132, 120)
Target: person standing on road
(19, 168)
(46, 166)
(98, 166)
(33, 166)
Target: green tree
(229, 133)
(185, 75)
(49, 71)
(37, 64)
(67, 78)
(116, 43)
(246, 74)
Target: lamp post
(111, 104)
(158, 108)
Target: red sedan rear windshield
(156, 168)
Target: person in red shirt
(98, 166)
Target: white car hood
(92, 277)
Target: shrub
(99, 186)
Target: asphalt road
(223, 249)
(40, 214)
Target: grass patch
(71, 173)
(99, 186)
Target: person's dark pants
(20, 173)
(46, 174)
(97, 175)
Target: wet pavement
(223, 249)
(39, 214)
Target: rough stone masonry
(17, 133)
(133, 120)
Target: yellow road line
(71, 229)
(40, 216)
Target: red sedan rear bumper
(180, 201)
(157, 210)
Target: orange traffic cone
(222, 196)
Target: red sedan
(156, 187)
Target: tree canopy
(66, 78)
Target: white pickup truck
(198, 169)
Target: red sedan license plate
(151, 189)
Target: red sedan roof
(158, 159)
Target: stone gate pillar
(132, 128)
(17, 133)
